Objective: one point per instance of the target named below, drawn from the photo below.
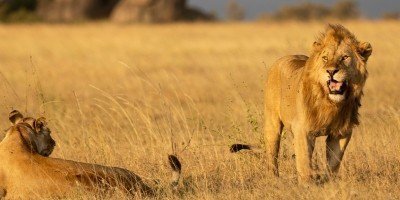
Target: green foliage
(17, 10)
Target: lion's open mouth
(337, 87)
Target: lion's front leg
(273, 131)
(304, 147)
(335, 147)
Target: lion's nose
(332, 72)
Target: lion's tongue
(335, 86)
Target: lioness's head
(39, 133)
(339, 63)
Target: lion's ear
(15, 116)
(365, 50)
(316, 46)
(39, 123)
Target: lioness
(316, 96)
(27, 172)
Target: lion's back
(282, 86)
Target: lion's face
(340, 66)
(44, 142)
(337, 69)
(40, 134)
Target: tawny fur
(297, 98)
(25, 174)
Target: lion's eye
(324, 58)
(345, 57)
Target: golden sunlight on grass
(125, 95)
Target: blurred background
(159, 11)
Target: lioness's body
(28, 175)
(315, 96)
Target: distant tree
(391, 16)
(15, 5)
(345, 9)
(303, 12)
(264, 17)
(17, 10)
(75, 10)
(234, 12)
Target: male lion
(27, 172)
(316, 96)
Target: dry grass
(122, 95)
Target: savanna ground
(128, 95)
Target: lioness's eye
(325, 58)
(345, 57)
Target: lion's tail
(238, 147)
(176, 170)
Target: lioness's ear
(365, 50)
(15, 116)
(316, 46)
(39, 123)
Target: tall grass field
(129, 95)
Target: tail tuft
(176, 167)
(3, 193)
(174, 163)
(237, 147)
